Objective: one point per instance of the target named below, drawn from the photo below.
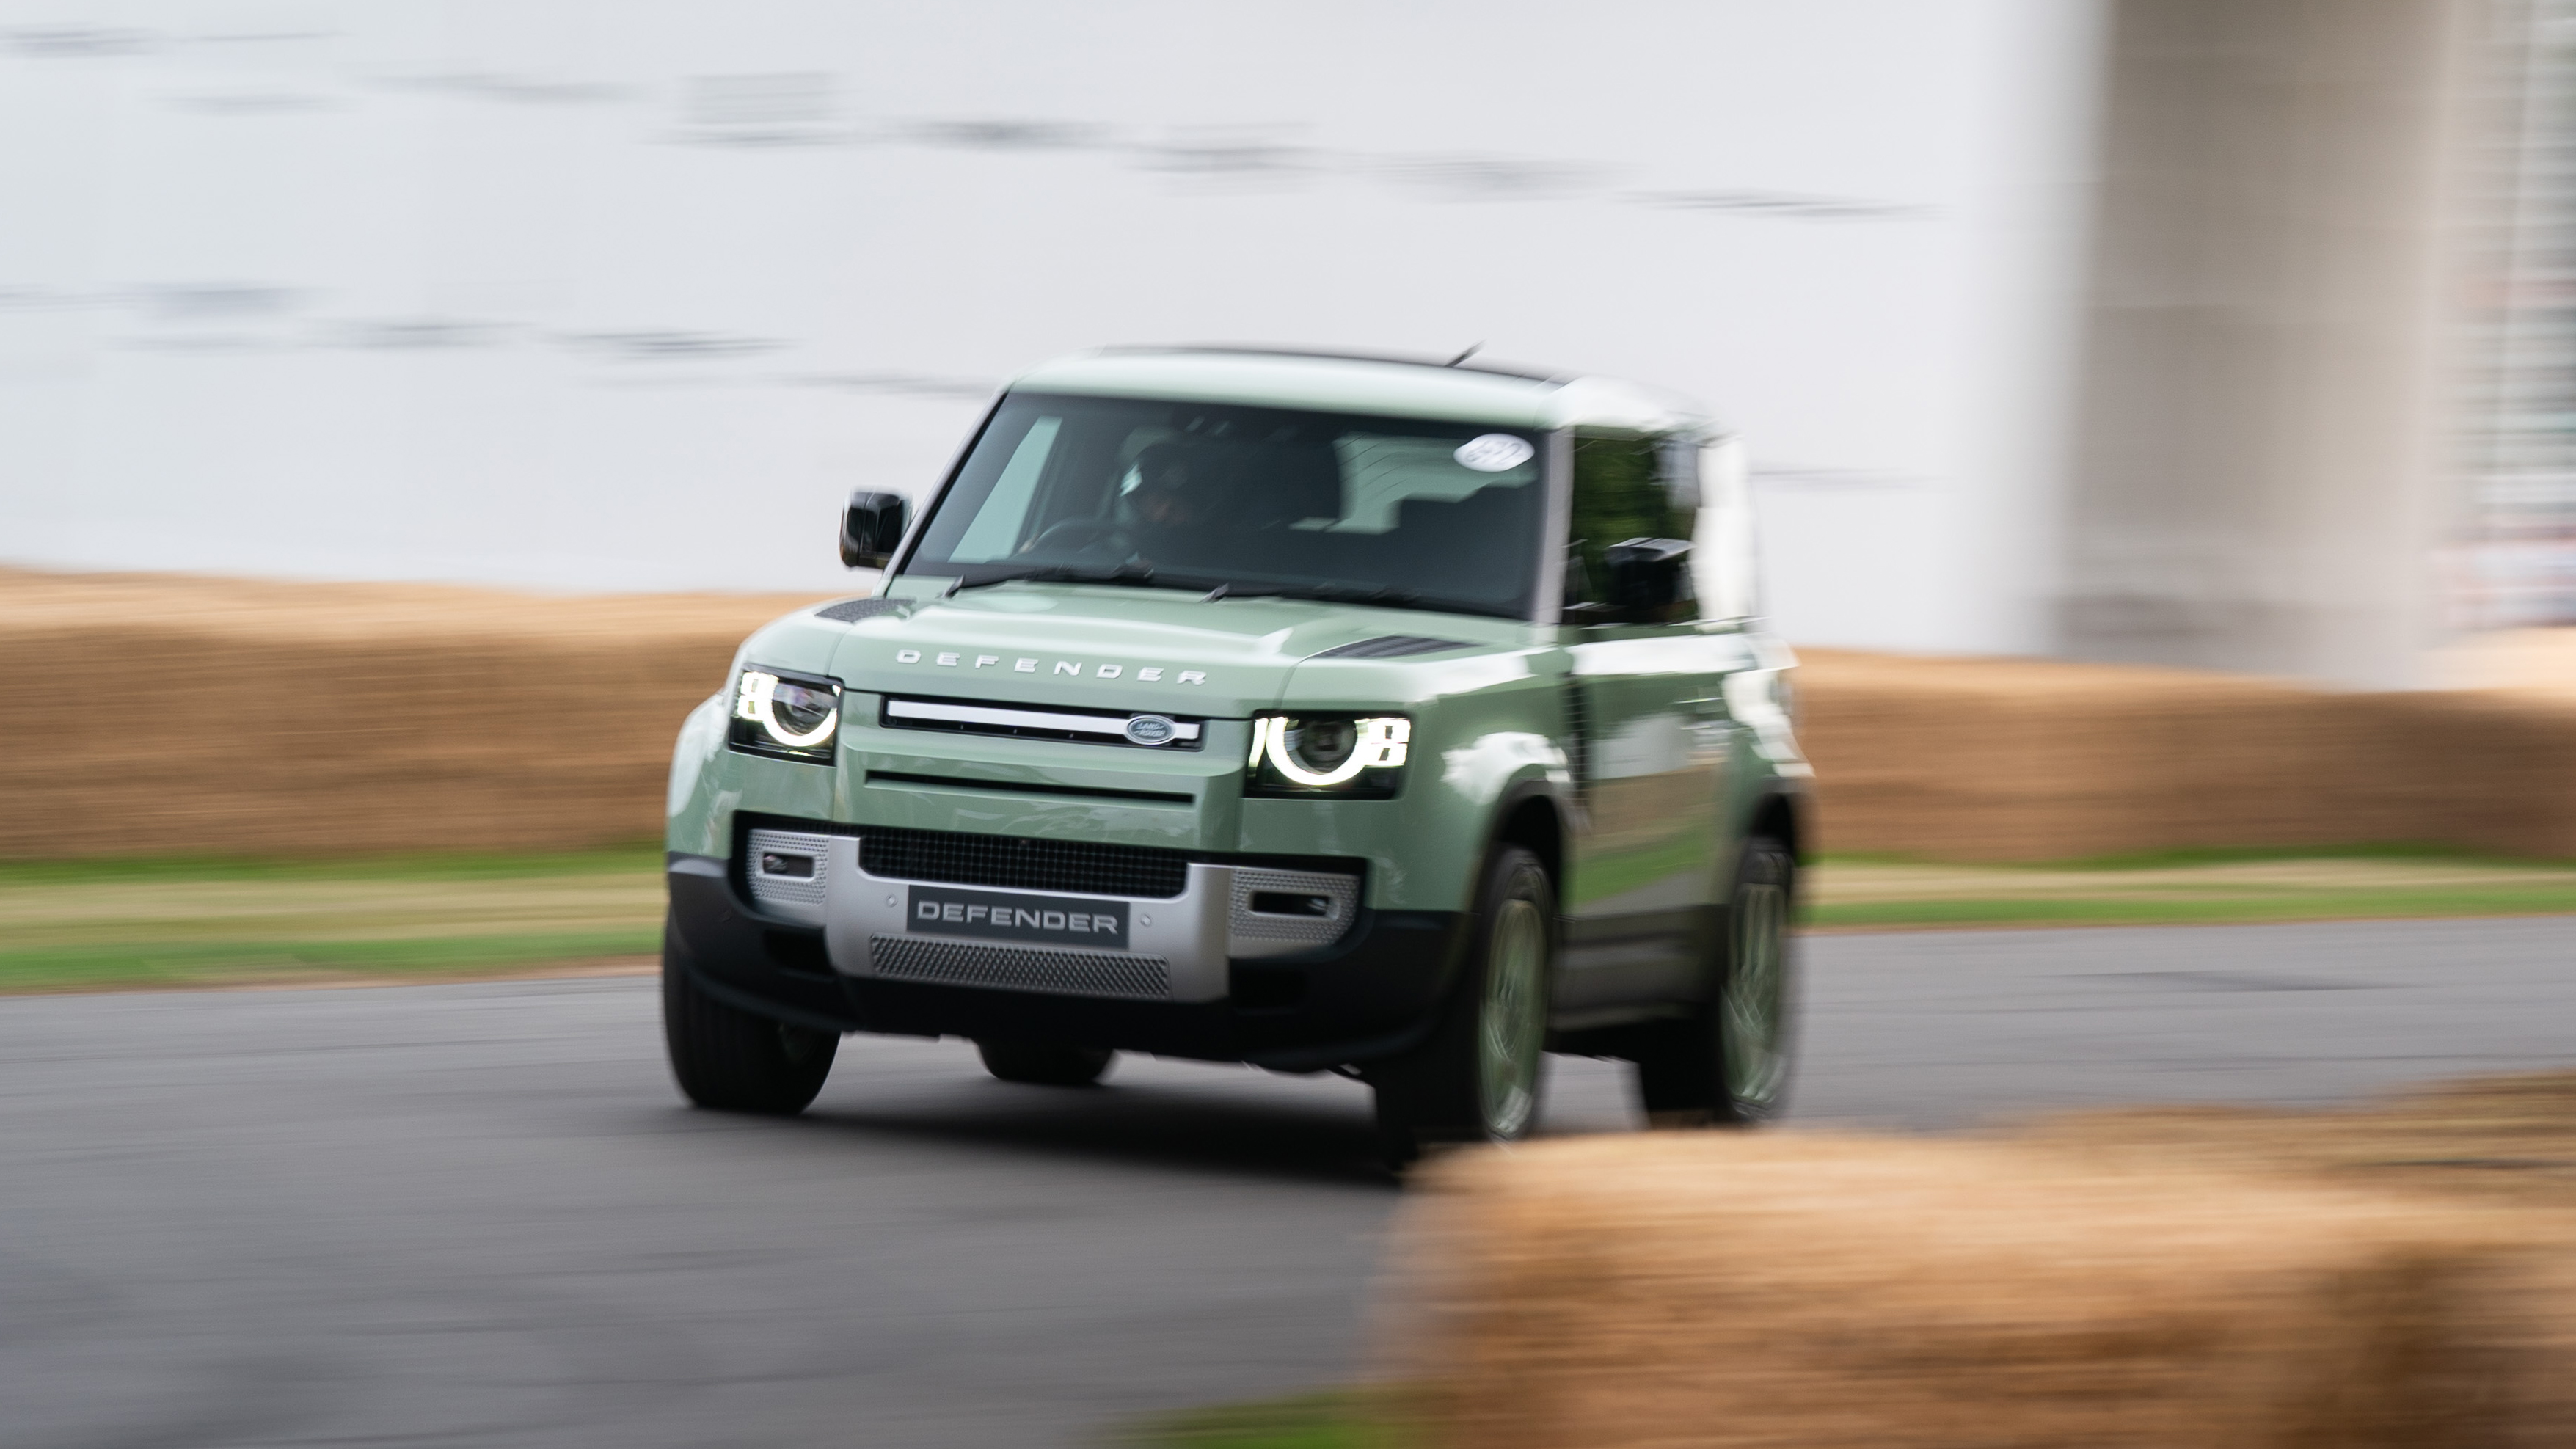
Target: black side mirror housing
(871, 529)
(1649, 581)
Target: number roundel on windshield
(1494, 452)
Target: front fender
(690, 823)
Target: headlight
(791, 716)
(1328, 754)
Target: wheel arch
(1530, 816)
(1781, 814)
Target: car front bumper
(1198, 975)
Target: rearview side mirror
(1649, 581)
(872, 528)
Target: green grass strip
(2398, 851)
(609, 860)
(1342, 1419)
(96, 967)
(2115, 911)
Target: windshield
(1434, 515)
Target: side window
(1625, 489)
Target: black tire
(1045, 1064)
(1479, 1076)
(1715, 1067)
(730, 1060)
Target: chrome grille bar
(1106, 726)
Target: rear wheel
(1045, 1064)
(1478, 1077)
(1727, 1064)
(731, 1060)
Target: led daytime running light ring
(759, 703)
(1380, 746)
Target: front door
(1651, 735)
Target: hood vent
(1393, 646)
(851, 611)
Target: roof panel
(1360, 384)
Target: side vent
(1578, 736)
(1393, 646)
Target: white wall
(630, 295)
(2267, 445)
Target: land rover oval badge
(1150, 729)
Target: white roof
(1389, 386)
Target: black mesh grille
(1020, 862)
(1014, 968)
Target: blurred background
(2228, 334)
(628, 297)
(407, 407)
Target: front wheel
(1727, 1063)
(731, 1060)
(1478, 1076)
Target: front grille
(1019, 968)
(1019, 862)
(1042, 722)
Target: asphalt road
(478, 1215)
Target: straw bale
(1793, 1290)
(156, 715)
(2509, 1139)
(2021, 759)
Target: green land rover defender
(1398, 719)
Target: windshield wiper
(1142, 574)
(1329, 593)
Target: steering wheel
(1075, 535)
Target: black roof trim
(1400, 359)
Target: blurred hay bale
(1794, 1290)
(156, 715)
(2509, 1139)
(2024, 759)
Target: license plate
(1007, 916)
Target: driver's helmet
(1169, 487)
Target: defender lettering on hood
(1023, 664)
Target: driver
(1167, 514)
(1170, 502)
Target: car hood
(1160, 650)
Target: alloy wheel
(1512, 1027)
(1752, 1009)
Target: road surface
(478, 1215)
